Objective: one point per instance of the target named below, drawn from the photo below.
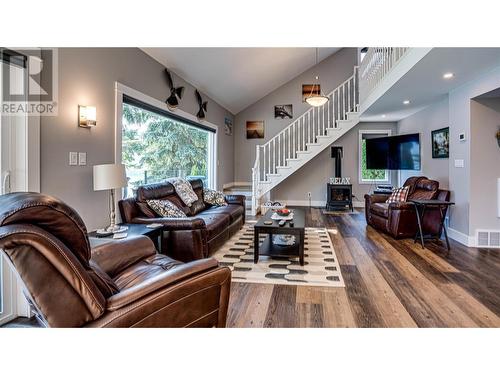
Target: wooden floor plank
(392, 310)
(336, 308)
(364, 310)
(310, 315)
(282, 311)
(309, 294)
(248, 304)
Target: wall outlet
(308, 194)
(73, 158)
(82, 158)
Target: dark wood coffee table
(279, 251)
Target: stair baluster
(302, 135)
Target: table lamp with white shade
(110, 177)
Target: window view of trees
(155, 147)
(370, 174)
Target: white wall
(460, 121)
(485, 164)
(423, 122)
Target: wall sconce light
(87, 116)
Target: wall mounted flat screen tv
(399, 152)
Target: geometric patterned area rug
(320, 262)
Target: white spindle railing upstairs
(303, 133)
(377, 62)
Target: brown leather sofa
(399, 219)
(196, 237)
(120, 284)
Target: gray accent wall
(424, 122)
(87, 76)
(332, 71)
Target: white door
(13, 176)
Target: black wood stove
(339, 196)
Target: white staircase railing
(302, 133)
(377, 62)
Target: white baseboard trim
(464, 239)
(301, 203)
(242, 183)
(305, 203)
(236, 183)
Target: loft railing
(377, 62)
(303, 131)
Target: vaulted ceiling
(237, 77)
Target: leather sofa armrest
(113, 257)
(171, 223)
(401, 206)
(175, 275)
(236, 199)
(376, 198)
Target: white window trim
(24, 174)
(121, 89)
(362, 181)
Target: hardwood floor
(389, 283)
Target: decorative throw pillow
(184, 190)
(399, 195)
(165, 208)
(214, 197)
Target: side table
(133, 230)
(420, 207)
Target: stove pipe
(337, 155)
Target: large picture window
(157, 146)
(368, 176)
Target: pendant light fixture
(315, 97)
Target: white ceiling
(424, 83)
(237, 77)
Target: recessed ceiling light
(383, 116)
(448, 75)
(406, 102)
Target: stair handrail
(310, 109)
(255, 180)
(347, 95)
(376, 64)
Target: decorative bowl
(283, 212)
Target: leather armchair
(399, 219)
(120, 284)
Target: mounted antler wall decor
(202, 105)
(175, 92)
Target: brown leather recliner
(120, 284)
(399, 219)
(198, 235)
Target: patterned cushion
(165, 208)
(214, 197)
(399, 195)
(184, 190)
